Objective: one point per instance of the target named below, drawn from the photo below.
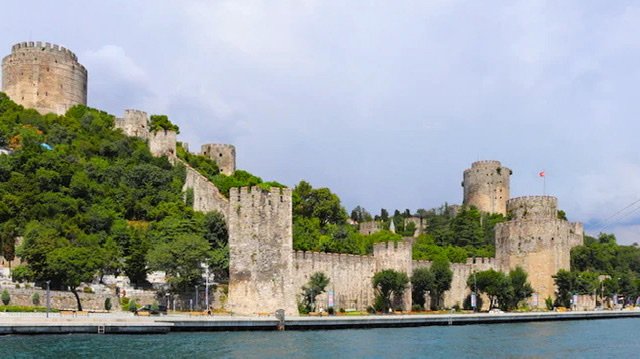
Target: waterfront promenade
(126, 323)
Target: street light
(48, 299)
(196, 297)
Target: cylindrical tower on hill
(45, 77)
(486, 186)
(224, 155)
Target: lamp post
(196, 306)
(48, 299)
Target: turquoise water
(576, 339)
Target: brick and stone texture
(206, 196)
(45, 77)
(224, 155)
(134, 123)
(536, 240)
(163, 143)
(368, 228)
(260, 251)
(486, 186)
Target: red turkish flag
(541, 174)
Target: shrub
(17, 285)
(371, 310)
(22, 308)
(133, 306)
(302, 309)
(87, 290)
(6, 298)
(107, 304)
(124, 302)
(331, 311)
(342, 310)
(35, 299)
(416, 308)
(378, 303)
(154, 306)
(549, 303)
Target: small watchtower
(224, 155)
(44, 76)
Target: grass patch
(24, 308)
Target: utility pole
(48, 299)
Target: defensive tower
(134, 123)
(536, 240)
(486, 186)
(260, 251)
(43, 76)
(224, 155)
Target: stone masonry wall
(260, 251)
(206, 196)
(43, 76)
(134, 123)
(224, 155)
(368, 228)
(66, 299)
(349, 275)
(536, 240)
(162, 143)
(486, 186)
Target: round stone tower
(536, 240)
(486, 186)
(45, 77)
(224, 155)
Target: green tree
(389, 283)
(73, 266)
(443, 276)
(5, 297)
(182, 260)
(521, 287)
(422, 280)
(316, 286)
(35, 299)
(492, 283)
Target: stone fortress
(266, 274)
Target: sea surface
(568, 339)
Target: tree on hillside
(316, 286)
(318, 203)
(389, 283)
(72, 266)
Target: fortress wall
(349, 275)
(260, 251)
(368, 228)
(533, 207)
(163, 143)
(44, 76)
(486, 186)
(206, 196)
(541, 246)
(396, 256)
(134, 123)
(224, 155)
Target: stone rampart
(260, 251)
(44, 76)
(206, 196)
(134, 123)
(368, 228)
(486, 186)
(349, 275)
(224, 155)
(540, 245)
(533, 207)
(163, 143)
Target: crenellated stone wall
(536, 240)
(260, 251)
(44, 76)
(368, 228)
(206, 196)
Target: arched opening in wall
(219, 154)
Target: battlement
(252, 197)
(392, 247)
(485, 163)
(163, 143)
(533, 207)
(332, 258)
(130, 113)
(32, 46)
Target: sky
(384, 102)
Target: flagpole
(544, 185)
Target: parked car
(153, 310)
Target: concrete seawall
(122, 323)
